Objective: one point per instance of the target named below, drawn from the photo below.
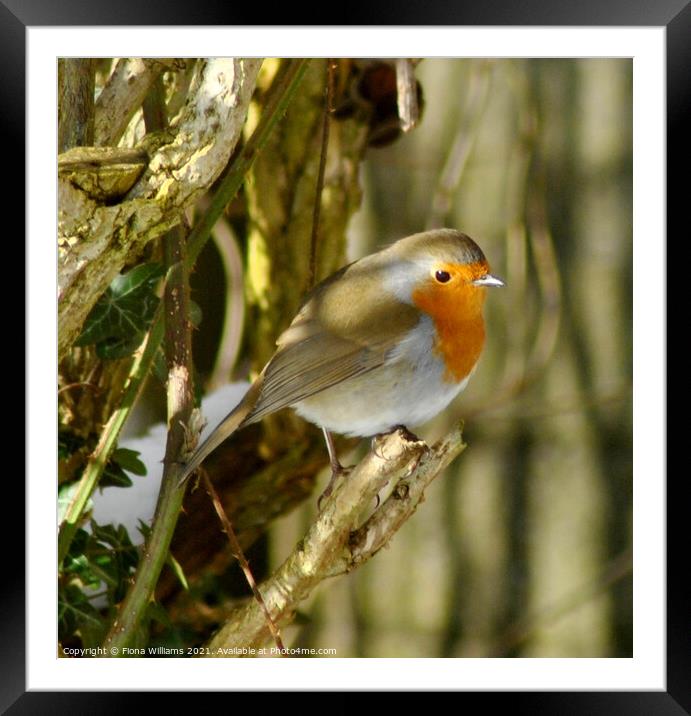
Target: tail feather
(232, 422)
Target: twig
(463, 143)
(548, 275)
(328, 102)
(406, 88)
(80, 384)
(329, 548)
(181, 91)
(236, 549)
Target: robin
(388, 341)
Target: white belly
(410, 389)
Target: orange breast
(457, 314)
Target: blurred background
(523, 547)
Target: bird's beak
(488, 280)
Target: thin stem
(109, 437)
(180, 390)
(236, 549)
(180, 404)
(328, 101)
(474, 106)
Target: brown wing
(335, 336)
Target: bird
(386, 342)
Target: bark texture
(96, 240)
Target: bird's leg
(336, 468)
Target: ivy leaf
(123, 314)
(77, 564)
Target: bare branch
(123, 95)
(335, 543)
(406, 88)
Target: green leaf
(129, 460)
(114, 476)
(80, 567)
(116, 537)
(144, 528)
(115, 565)
(124, 312)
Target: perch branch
(336, 543)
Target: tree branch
(123, 95)
(335, 543)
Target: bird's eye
(442, 276)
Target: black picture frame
(674, 15)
